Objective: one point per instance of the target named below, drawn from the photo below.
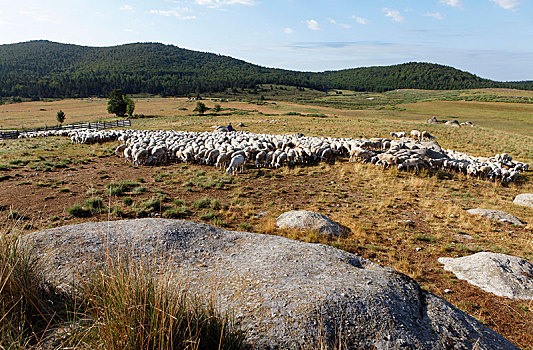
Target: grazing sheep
(426, 136)
(397, 135)
(236, 164)
(145, 147)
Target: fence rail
(98, 125)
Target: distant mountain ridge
(50, 69)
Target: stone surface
(308, 220)
(497, 215)
(283, 291)
(501, 274)
(524, 199)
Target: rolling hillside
(48, 69)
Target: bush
(94, 204)
(78, 211)
(202, 203)
(176, 213)
(151, 205)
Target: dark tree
(217, 108)
(200, 108)
(117, 103)
(60, 117)
(130, 106)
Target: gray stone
(308, 220)
(497, 215)
(284, 292)
(524, 199)
(501, 274)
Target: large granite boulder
(496, 215)
(288, 294)
(501, 274)
(524, 199)
(308, 220)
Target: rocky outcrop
(308, 220)
(524, 199)
(501, 274)
(497, 215)
(288, 294)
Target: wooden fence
(98, 125)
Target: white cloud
(360, 20)
(220, 3)
(180, 12)
(342, 25)
(312, 24)
(452, 3)
(126, 8)
(394, 14)
(37, 15)
(507, 4)
(436, 15)
(288, 31)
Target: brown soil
(372, 213)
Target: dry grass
(123, 305)
(372, 204)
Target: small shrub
(127, 200)
(176, 213)
(78, 211)
(202, 203)
(151, 205)
(245, 226)
(139, 190)
(94, 204)
(210, 215)
(179, 202)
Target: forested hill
(48, 69)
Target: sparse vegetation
(123, 305)
(373, 204)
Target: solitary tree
(217, 108)
(60, 117)
(117, 103)
(130, 106)
(200, 108)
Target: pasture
(397, 219)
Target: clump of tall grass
(25, 310)
(133, 307)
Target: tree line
(39, 69)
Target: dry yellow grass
(371, 203)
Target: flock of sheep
(231, 150)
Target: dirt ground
(373, 206)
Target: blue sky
(490, 38)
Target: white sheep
(237, 163)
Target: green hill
(48, 69)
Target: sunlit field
(42, 180)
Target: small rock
(418, 249)
(448, 291)
(497, 215)
(524, 199)
(308, 220)
(453, 216)
(501, 274)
